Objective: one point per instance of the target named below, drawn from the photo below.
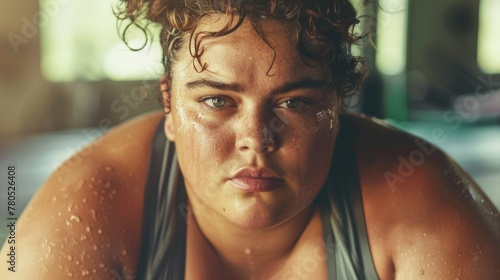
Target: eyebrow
(301, 84)
(235, 87)
(216, 85)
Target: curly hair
(324, 30)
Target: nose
(254, 133)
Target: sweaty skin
(85, 221)
(228, 118)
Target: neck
(245, 253)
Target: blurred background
(66, 77)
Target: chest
(307, 259)
(310, 263)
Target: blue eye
(294, 103)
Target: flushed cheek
(214, 145)
(202, 150)
(196, 127)
(309, 153)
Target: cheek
(214, 146)
(310, 154)
(314, 138)
(202, 147)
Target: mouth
(253, 179)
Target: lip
(254, 179)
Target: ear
(165, 102)
(169, 128)
(165, 93)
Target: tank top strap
(343, 215)
(163, 241)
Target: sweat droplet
(69, 257)
(421, 272)
(93, 214)
(74, 218)
(124, 252)
(99, 231)
(85, 272)
(112, 194)
(80, 185)
(248, 251)
(54, 198)
(108, 168)
(322, 115)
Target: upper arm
(81, 223)
(85, 221)
(426, 218)
(450, 229)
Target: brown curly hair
(324, 30)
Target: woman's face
(255, 130)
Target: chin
(257, 222)
(260, 217)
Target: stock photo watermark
(465, 109)
(11, 220)
(30, 26)
(121, 107)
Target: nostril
(258, 140)
(267, 141)
(266, 135)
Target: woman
(267, 180)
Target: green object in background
(395, 98)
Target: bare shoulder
(425, 216)
(85, 221)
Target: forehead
(262, 50)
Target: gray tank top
(163, 248)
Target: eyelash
(207, 98)
(305, 103)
